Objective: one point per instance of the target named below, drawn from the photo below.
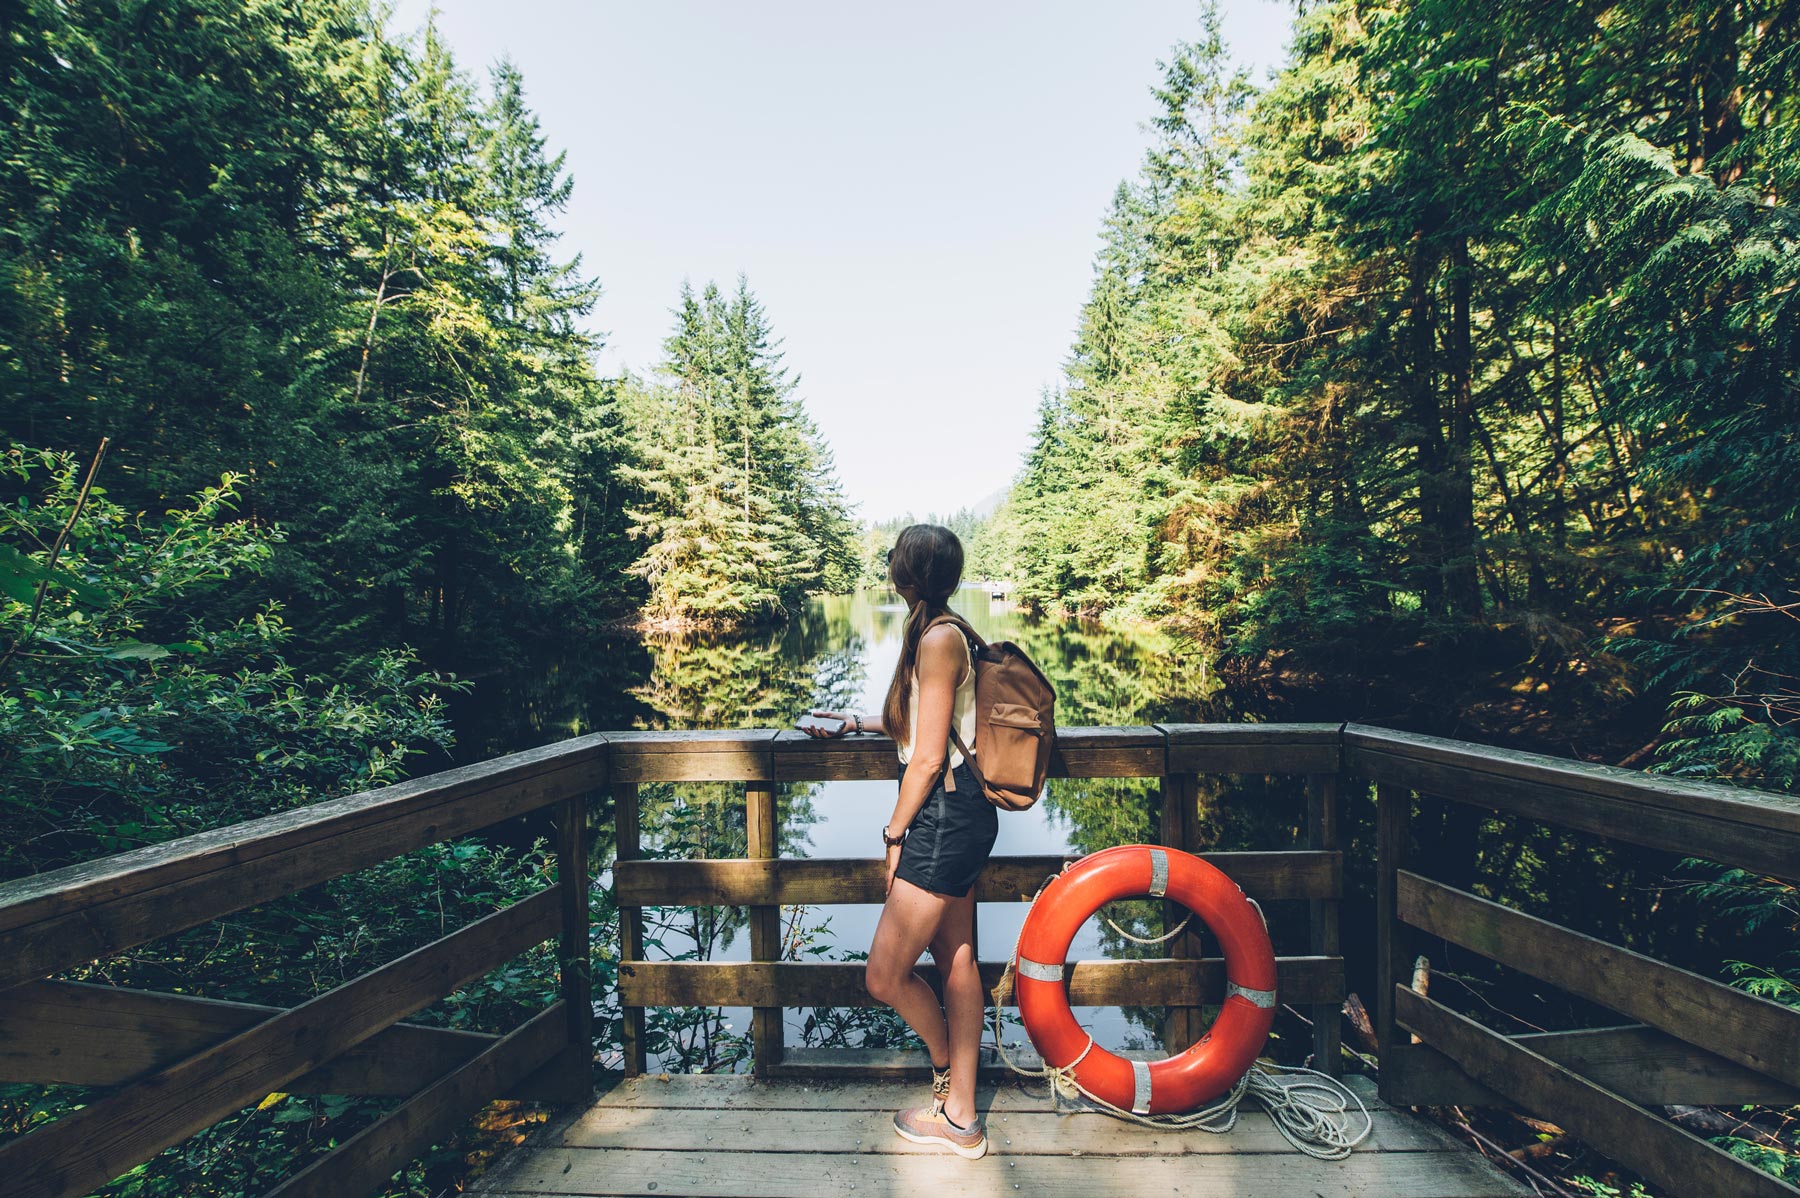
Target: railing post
(1393, 833)
(631, 926)
(765, 924)
(1322, 803)
(1181, 795)
(574, 1068)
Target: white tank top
(962, 712)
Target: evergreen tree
(738, 502)
(273, 240)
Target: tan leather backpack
(1015, 722)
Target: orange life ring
(1224, 1054)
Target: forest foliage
(277, 241)
(1470, 328)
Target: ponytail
(928, 560)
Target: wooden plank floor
(791, 1138)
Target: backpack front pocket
(1016, 734)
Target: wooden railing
(1176, 754)
(1693, 1041)
(173, 1065)
(177, 1064)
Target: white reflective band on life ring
(1159, 873)
(1140, 1077)
(1039, 972)
(1262, 998)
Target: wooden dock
(170, 1065)
(792, 1137)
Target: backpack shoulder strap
(968, 754)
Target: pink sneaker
(929, 1125)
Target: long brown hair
(928, 559)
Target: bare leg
(909, 921)
(953, 948)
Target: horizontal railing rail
(1175, 755)
(817, 881)
(1752, 829)
(1695, 1041)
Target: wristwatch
(891, 841)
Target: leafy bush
(127, 719)
(124, 719)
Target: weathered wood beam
(761, 834)
(1420, 1075)
(1322, 811)
(572, 1077)
(1128, 752)
(53, 921)
(798, 757)
(703, 755)
(1653, 1068)
(746, 882)
(78, 1034)
(632, 1038)
(1253, 748)
(1636, 1138)
(1777, 812)
(1649, 1067)
(1143, 751)
(1180, 819)
(1753, 829)
(90, 1147)
(1151, 983)
(361, 1164)
(1753, 1032)
(1393, 843)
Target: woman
(937, 839)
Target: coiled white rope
(1310, 1109)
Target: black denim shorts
(950, 838)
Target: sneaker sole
(974, 1151)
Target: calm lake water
(839, 654)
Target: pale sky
(914, 191)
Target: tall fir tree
(739, 506)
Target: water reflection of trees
(754, 681)
(554, 693)
(1105, 676)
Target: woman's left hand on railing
(847, 721)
